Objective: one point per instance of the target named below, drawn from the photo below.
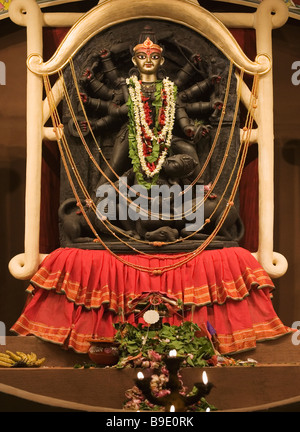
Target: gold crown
(148, 46)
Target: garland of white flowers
(142, 128)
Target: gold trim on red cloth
(246, 339)
(213, 277)
(61, 336)
(58, 335)
(78, 294)
(81, 295)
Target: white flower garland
(165, 135)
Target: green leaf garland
(133, 150)
(138, 339)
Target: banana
(13, 356)
(33, 357)
(23, 356)
(3, 355)
(20, 358)
(40, 361)
(8, 360)
(5, 364)
(4, 358)
(29, 359)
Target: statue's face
(148, 63)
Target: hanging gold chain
(62, 143)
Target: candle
(140, 375)
(204, 378)
(173, 353)
(172, 408)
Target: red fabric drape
(79, 294)
(49, 234)
(249, 181)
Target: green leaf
(190, 361)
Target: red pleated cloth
(78, 294)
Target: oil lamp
(175, 400)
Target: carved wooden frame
(270, 14)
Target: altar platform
(273, 384)
(76, 295)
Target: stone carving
(148, 105)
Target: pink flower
(163, 393)
(155, 378)
(164, 370)
(154, 356)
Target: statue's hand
(217, 104)
(215, 79)
(80, 124)
(202, 132)
(84, 127)
(87, 76)
(189, 131)
(104, 53)
(196, 58)
(205, 130)
(84, 98)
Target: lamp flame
(204, 378)
(173, 353)
(140, 375)
(172, 408)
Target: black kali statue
(148, 109)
